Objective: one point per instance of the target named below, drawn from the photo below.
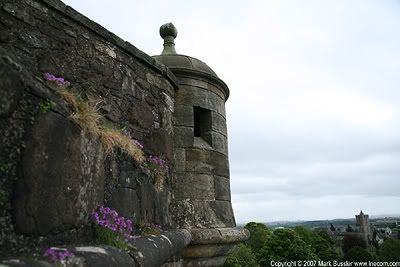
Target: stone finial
(168, 32)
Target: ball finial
(168, 29)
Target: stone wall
(53, 173)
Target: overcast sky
(314, 111)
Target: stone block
(219, 235)
(11, 88)
(222, 188)
(159, 142)
(126, 202)
(62, 177)
(202, 84)
(193, 96)
(189, 213)
(183, 116)
(198, 160)
(234, 235)
(141, 114)
(218, 123)
(180, 159)
(127, 173)
(207, 250)
(223, 211)
(194, 186)
(219, 142)
(183, 137)
(220, 162)
(205, 262)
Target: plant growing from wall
(159, 169)
(46, 105)
(112, 229)
(148, 228)
(87, 117)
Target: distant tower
(202, 199)
(363, 227)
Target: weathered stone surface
(156, 250)
(179, 159)
(194, 186)
(221, 164)
(207, 250)
(224, 212)
(126, 202)
(159, 142)
(141, 114)
(61, 179)
(218, 123)
(11, 88)
(222, 188)
(183, 116)
(219, 142)
(127, 173)
(205, 262)
(219, 235)
(234, 235)
(201, 84)
(202, 214)
(199, 161)
(206, 161)
(183, 136)
(193, 96)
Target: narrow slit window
(202, 123)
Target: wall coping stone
(219, 235)
(149, 251)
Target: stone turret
(363, 227)
(202, 199)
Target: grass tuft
(87, 117)
(113, 138)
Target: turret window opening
(202, 123)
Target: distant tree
(241, 256)
(352, 240)
(305, 234)
(390, 250)
(326, 247)
(349, 228)
(332, 228)
(285, 245)
(259, 234)
(358, 254)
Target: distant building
(363, 227)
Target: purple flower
(138, 143)
(153, 225)
(158, 161)
(56, 256)
(108, 218)
(58, 80)
(128, 133)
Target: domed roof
(182, 65)
(177, 61)
(173, 60)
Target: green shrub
(108, 237)
(241, 256)
(46, 105)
